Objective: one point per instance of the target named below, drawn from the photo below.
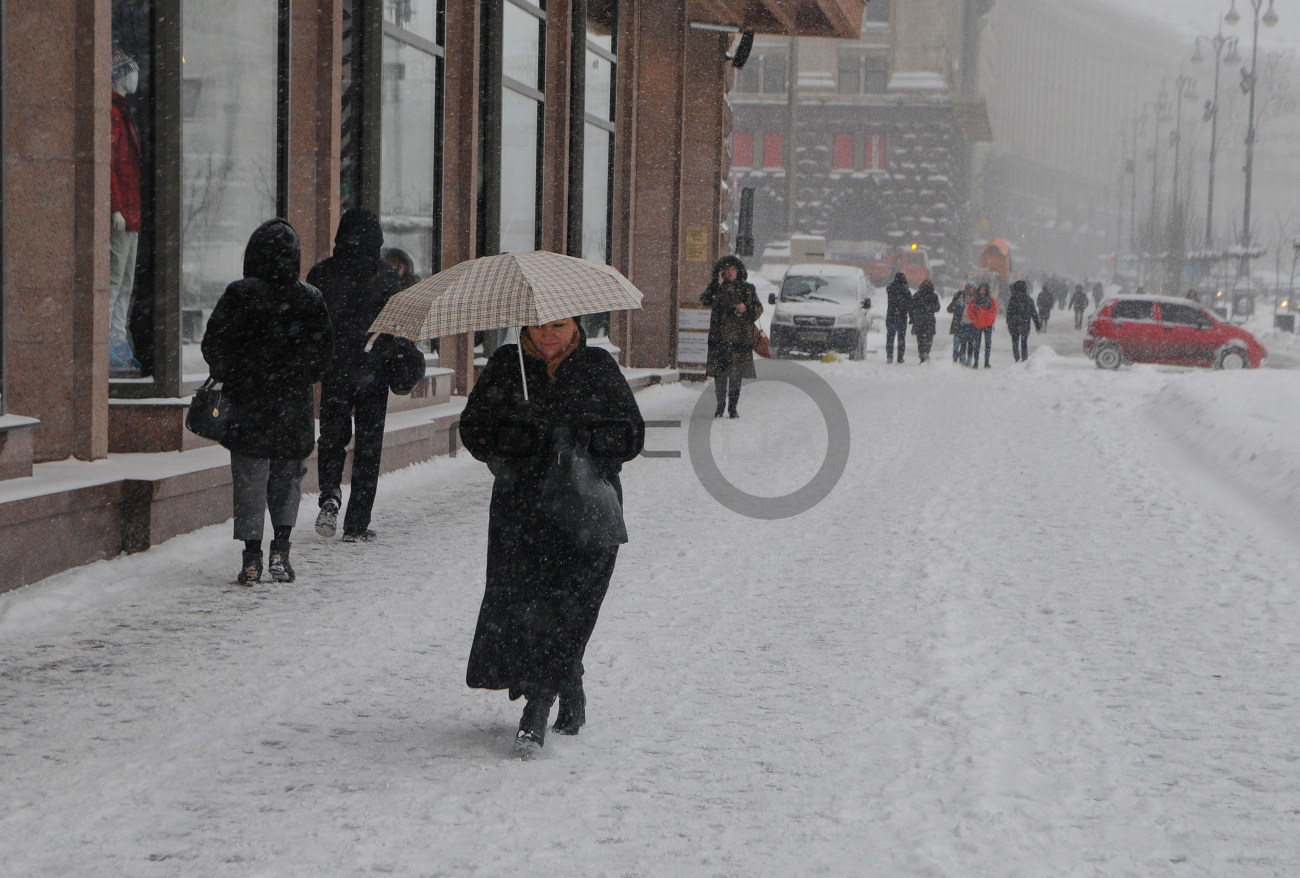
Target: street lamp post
(1248, 82)
(1161, 115)
(1177, 227)
(1220, 42)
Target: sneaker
(278, 564)
(328, 520)
(366, 536)
(251, 569)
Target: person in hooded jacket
(982, 313)
(1045, 302)
(925, 304)
(1079, 303)
(958, 327)
(268, 340)
(897, 311)
(735, 310)
(1021, 311)
(356, 282)
(544, 586)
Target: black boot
(572, 714)
(250, 570)
(532, 725)
(278, 565)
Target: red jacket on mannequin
(124, 186)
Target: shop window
(842, 152)
(875, 74)
(875, 157)
(742, 149)
(774, 66)
(412, 94)
(877, 11)
(848, 76)
(773, 150)
(598, 102)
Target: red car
(1156, 329)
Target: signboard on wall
(693, 335)
(697, 244)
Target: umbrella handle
(523, 376)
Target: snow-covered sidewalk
(1045, 624)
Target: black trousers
(727, 391)
(1020, 344)
(924, 340)
(895, 329)
(342, 402)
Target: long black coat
(1021, 312)
(899, 307)
(925, 304)
(542, 595)
(731, 335)
(268, 339)
(356, 283)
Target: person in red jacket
(982, 312)
(124, 196)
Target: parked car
(821, 307)
(1156, 329)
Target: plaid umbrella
(511, 289)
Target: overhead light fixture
(743, 47)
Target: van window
(1134, 309)
(809, 288)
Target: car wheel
(1232, 358)
(1109, 356)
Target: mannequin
(124, 237)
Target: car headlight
(782, 316)
(849, 319)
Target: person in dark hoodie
(356, 283)
(546, 579)
(1045, 302)
(1021, 311)
(268, 340)
(925, 304)
(897, 312)
(731, 331)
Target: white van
(821, 307)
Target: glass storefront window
(411, 137)
(420, 18)
(598, 142)
(131, 232)
(521, 52)
(229, 137)
(520, 134)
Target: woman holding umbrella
(555, 402)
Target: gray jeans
(260, 484)
(122, 249)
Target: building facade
(143, 140)
(866, 142)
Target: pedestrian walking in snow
(1045, 303)
(897, 311)
(958, 328)
(735, 310)
(1021, 311)
(1097, 293)
(356, 283)
(925, 304)
(546, 577)
(982, 313)
(1079, 302)
(268, 340)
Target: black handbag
(399, 363)
(578, 501)
(209, 414)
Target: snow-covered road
(1045, 624)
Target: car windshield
(809, 288)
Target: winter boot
(572, 714)
(365, 536)
(532, 725)
(328, 520)
(251, 569)
(278, 565)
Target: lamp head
(1270, 17)
(1233, 57)
(1232, 17)
(743, 48)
